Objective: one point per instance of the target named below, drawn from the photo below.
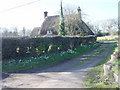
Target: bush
(41, 49)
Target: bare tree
(24, 31)
(5, 32)
(71, 23)
(94, 27)
(28, 31)
(70, 10)
(110, 26)
(15, 32)
(72, 20)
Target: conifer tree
(61, 24)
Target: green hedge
(22, 47)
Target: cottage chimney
(79, 13)
(45, 14)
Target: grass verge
(108, 38)
(99, 51)
(117, 64)
(96, 79)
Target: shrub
(41, 49)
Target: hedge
(24, 47)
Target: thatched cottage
(51, 25)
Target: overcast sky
(31, 15)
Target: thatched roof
(35, 31)
(51, 23)
(85, 29)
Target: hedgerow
(13, 48)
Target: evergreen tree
(61, 24)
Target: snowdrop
(71, 51)
(46, 57)
(62, 53)
(20, 60)
(30, 60)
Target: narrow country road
(65, 75)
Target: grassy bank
(117, 64)
(99, 51)
(96, 79)
(46, 60)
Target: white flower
(30, 60)
(20, 60)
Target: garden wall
(24, 47)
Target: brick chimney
(45, 14)
(79, 13)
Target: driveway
(68, 74)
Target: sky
(18, 13)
